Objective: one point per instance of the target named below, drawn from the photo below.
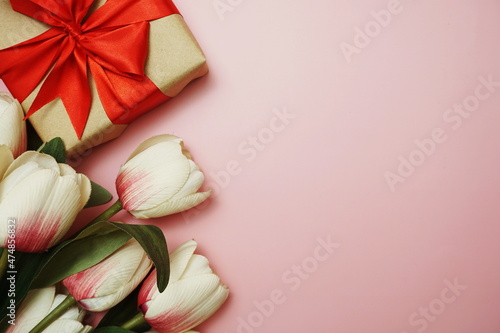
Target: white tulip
(104, 285)
(37, 304)
(159, 179)
(193, 293)
(40, 198)
(12, 125)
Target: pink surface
(420, 255)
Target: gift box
(84, 69)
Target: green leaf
(36, 270)
(27, 265)
(98, 241)
(89, 248)
(112, 329)
(153, 242)
(98, 196)
(54, 148)
(122, 312)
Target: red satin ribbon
(112, 43)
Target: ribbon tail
(129, 58)
(125, 99)
(69, 81)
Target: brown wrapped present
(83, 69)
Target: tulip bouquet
(51, 280)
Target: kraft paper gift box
(173, 59)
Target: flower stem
(108, 213)
(3, 262)
(54, 314)
(137, 320)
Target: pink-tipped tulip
(12, 125)
(193, 293)
(159, 179)
(37, 304)
(39, 200)
(104, 285)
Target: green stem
(137, 320)
(3, 262)
(108, 213)
(54, 314)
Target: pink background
(321, 173)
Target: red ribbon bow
(112, 42)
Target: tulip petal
(148, 291)
(193, 183)
(179, 259)
(210, 305)
(198, 265)
(106, 302)
(153, 141)
(34, 308)
(9, 129)
(109, 301)
(120, 265)
(16, 176)
(43, 160)
(12, 126)
(153, 176)
(6, 159)
(82, 181)
(67, 326)
(22, 167)
(66, 170)
(172, 207)
(176, 309)
(128, 258)
(85, 189)
(44, 205)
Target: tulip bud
(193, 293)
(40, 198)
(12, 125)
(104, 285)
(159, 179)
(37, 304)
